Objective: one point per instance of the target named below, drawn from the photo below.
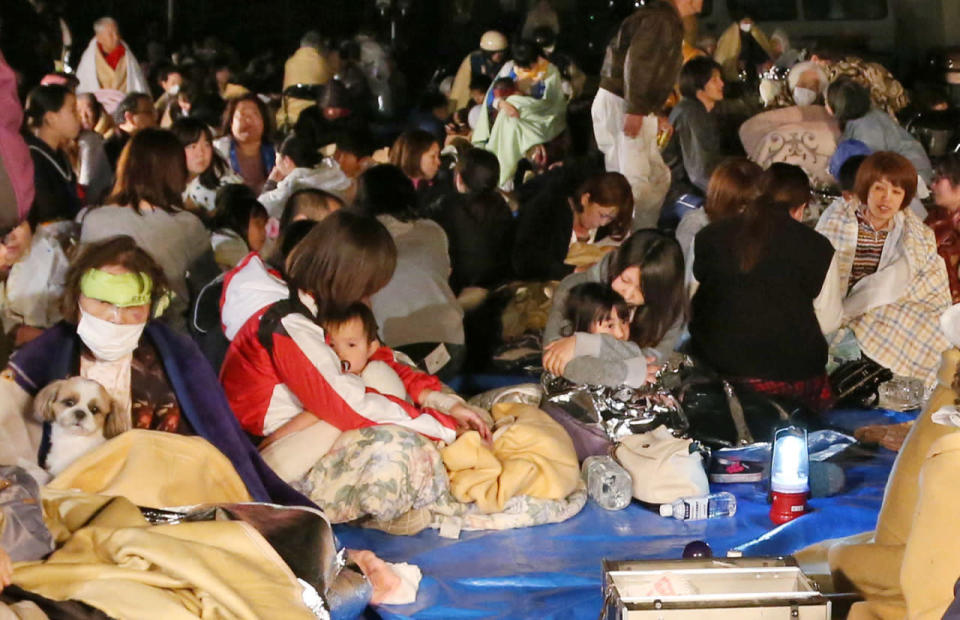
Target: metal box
(711, 589)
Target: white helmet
(493, 41)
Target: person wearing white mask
(807, 82)
(159, 378)
(171, 81)
(810, 131)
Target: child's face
(350, 344)
(256, 233)
(612, 324)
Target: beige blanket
(113, 560)
(156, 469)
(531, 455)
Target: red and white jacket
(279, 365)
(248, 288)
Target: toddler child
(353, 337)
(502, 88)
(604, 355)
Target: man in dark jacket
(639, 71)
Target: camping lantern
(789, 474)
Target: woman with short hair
(158, 378)
(892, 281)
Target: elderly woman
(535, 114)
(892, 281)
(245, 144)
(158, 377)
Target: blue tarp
(553, 571)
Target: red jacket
(279, 365)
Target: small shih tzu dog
(82, 416)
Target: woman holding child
(287, 384)
(646, 271)
(525, 107)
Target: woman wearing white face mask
(159, 378)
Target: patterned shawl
(904, 336)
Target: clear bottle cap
(666, 510)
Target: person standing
(307, 66)
(485, 61)
(639, 71)
(109, 64)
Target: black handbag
(855, 384)
(722, 414)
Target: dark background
(429, 34)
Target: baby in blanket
(353, 337)
(604, 354)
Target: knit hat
(846, 150)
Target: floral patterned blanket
(386, 472)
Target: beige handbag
(664, 468)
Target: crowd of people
(281, 271)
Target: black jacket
(56, 184)
(479, 248)
(760, 324)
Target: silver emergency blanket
(622, 411)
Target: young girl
(595, 308)
(208, 172)
(239, 225)
(53, 123)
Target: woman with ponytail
(478, 224)
(755, 316)
(52, 123)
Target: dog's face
(80, 406)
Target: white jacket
(327, 176)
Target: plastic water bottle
(698, 508)
(609, 484)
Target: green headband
(122, 290)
